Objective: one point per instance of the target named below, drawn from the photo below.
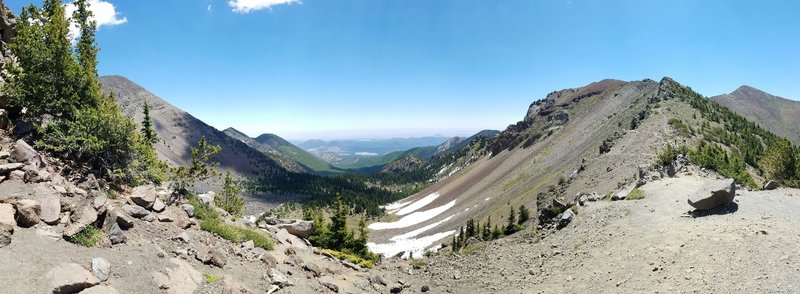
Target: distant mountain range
(776, 114)
(277, 147)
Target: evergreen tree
(230, 198)
(487, 230)
(148, 133)
(455, 244)
(524, 214)
(496, 233)
(199, 168)
(470, 228)
(339, 235)
(511, 226)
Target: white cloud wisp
(247, 6)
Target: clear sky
(384, 68)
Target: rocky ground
(656, 244)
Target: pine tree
(487, 229)
(455, 244)
(524, 214)
(511, 227)
(230, 198)
(339, 235)
(461, 237)
(496, 233)
(147, 126)
(470, 228)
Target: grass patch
(514, 182)
(236, 233)
(636, 194)
(418, 263)
(211, 278)
(351, 258)
(574, 209)
(87, 237)
(210, 222)
(469, 250)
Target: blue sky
(385, 68)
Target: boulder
(165, 217)
(9, 167)
(99, 199)
(217, 257)
(70, 278)
(713, 194)
(135, 211)
(17, 175)
(566, 218)
(278, 279)
(7, 221)
(28, 212)
(124, 220)
(771, 185)
(115, 235)
(101, 268)
(301, 229)
(81, 217)
(23, 153)
(144, 196)
(183, 236)
(100, 289)
(189, 209)
(50, 205)
(158, 205)
(313, 269)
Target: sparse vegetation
(88, 237)
(366, 263)
(636, 194)
(211, 222)
(200, 168)
(211, 278)
(682, 128)
(418, 263)
(336, 236)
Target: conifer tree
(230, 198)
(148, 133)
(511, 226)
(524, 214)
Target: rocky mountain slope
(776, 114)
(582, 140)
(179, 130)
(290, 156)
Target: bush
(230, 198)
(366, 263)
(418, 263)
(236, 234)
(336, 236)
(87, 237)
(211, 278)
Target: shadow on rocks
(721, 210)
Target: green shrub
(236, 234)
(366, 263)
(230, 198)
(418, 263)
(87, 237)
(636, 194)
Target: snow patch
(418, 204)
(421, 230)
(414, 218)
(412, 247)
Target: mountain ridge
(776, 114)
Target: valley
(611, 186)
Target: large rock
(301, 229)
(713, 194)
(23, 153)
(566, 218)
(81, 217)
(50, 206)
(144, 196)
(101, 268)
(158, 205)
(115, 235)
(278, 279)
(206, 198)
(217, 257)
(7, 221)
(70, 278)
(135, 211)
(189, 209)
(28, 212)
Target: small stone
(7, 221)
(269, 260)
(273, 288)
(158, 205)
(17, 175)
(217, 257)
(313, 269)
(425, 288)
(278, 279)
(23, 153)
(249, 244)
(771, 185)
(183, 236)
(101, 268)
(397, 288)
(9, 167)
(135, 211)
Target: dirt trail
(649, 245)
